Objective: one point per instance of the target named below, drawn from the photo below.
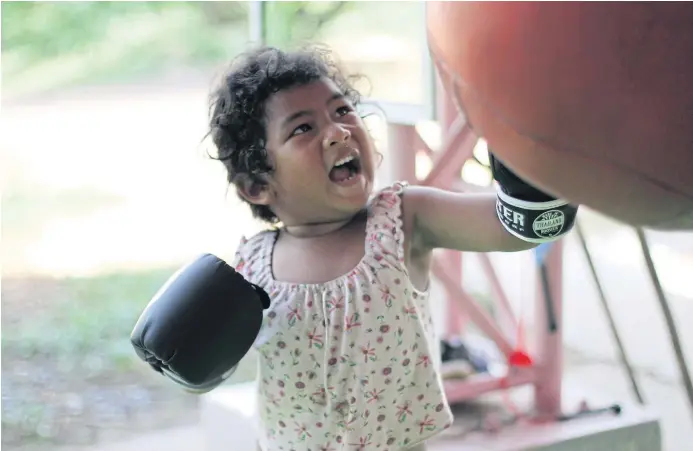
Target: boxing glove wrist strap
(535, 222)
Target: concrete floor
(606, 387)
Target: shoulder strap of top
(386, 220)
(249, 259)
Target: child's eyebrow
(335, 96)
(292, 117)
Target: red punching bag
(592, 102)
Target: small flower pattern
(350, 364)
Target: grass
(71, 336)
(87, 324)
(89, 317)
(77, 343)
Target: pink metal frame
(546, 371)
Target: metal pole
(609, 316)
(256, 22)
(668, 317)
(428, 72)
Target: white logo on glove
(549, 224)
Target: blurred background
(107, 189)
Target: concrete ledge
(228, 422)
(227, 417)
(635, 429)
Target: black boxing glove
(526, 212)
(200, 324)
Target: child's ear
(253, 191)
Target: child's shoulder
(388, 203)
(250, 250)
(254, 242)
(389, 196)
(390, 209)
(396, 187)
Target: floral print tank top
(350, 364)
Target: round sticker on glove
(549, 224)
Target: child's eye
(344, 110)
(303, 128)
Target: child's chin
(356, 201)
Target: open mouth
(345, 169)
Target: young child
(346, 350)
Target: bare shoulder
(417, 254)
(419, 205)
(416, 199)
(412, 198)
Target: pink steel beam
(456, 158)
(421, 145)
(457, 149)
(548, 353)
(457, 318)
(406, 141)
(506, 316)
(474, 386)
(401, 139)
(549, 345)
(445, 173)
(476, 313)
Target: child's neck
(311, 230)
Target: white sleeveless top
(350, 364)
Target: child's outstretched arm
(517, 218)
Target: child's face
(310, 129)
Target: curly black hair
(237, 122)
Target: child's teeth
(344, 160)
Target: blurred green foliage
(48, 45)
(290, 23)
(47, 29)
(90, 318)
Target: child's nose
(336, 134)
